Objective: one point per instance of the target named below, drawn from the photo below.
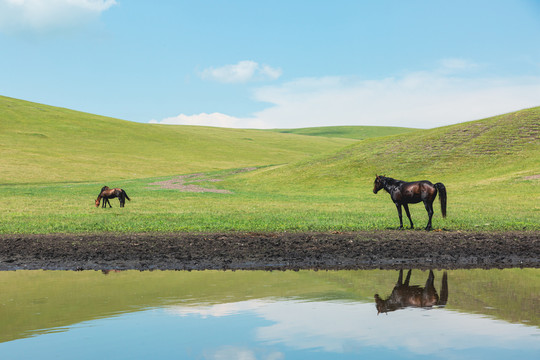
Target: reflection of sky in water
(272, 330)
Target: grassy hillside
(490, 168)
(350, 132)
(40, 144)
(505, 147)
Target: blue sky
(274, 64)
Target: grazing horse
(404, 295)
(107, 193)
(404, 193)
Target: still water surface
(477, 314)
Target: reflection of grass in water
(63, 298)
(510, 294)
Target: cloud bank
(44, 15)
(423, 99)
(334, 327)
(213, 119)
(420, 100)
(242, 72)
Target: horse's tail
(125, 195)
(442, 197)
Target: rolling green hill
(40, 143)
(505, 147)
(53, 162)
(491, 169)
(349, 132)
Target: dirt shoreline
(271, 251)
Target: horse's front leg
(398, 206)
(408, 214)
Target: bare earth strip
(184, 182)
(271, 251)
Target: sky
(274, 64)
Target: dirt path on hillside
(271, 251)
(185, 183)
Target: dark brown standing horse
(405, 295)
(404, 193)
(107, 193)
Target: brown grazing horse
(404, 193)
(404, 295)
(107, 193)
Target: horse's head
(97, 202)
(378, 184)
(380, 304)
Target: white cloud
(231, 352)
(451, 64)
(423, 99)
(241, 72)
(40, 15)
(218, 310)
(214, 119)
(241, 353)
(334, 327)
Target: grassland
(54, 161)
(45, 144)
(348, 132)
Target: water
(266, 315)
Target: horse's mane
(392, 181)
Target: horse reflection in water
(405, 295)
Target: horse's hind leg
(429, 294)
(429, 209)
(444, 290)
(408, 214)
(430, 279)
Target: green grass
(322, 184)
(349, 132)
(45, 144)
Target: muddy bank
(271, 251)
